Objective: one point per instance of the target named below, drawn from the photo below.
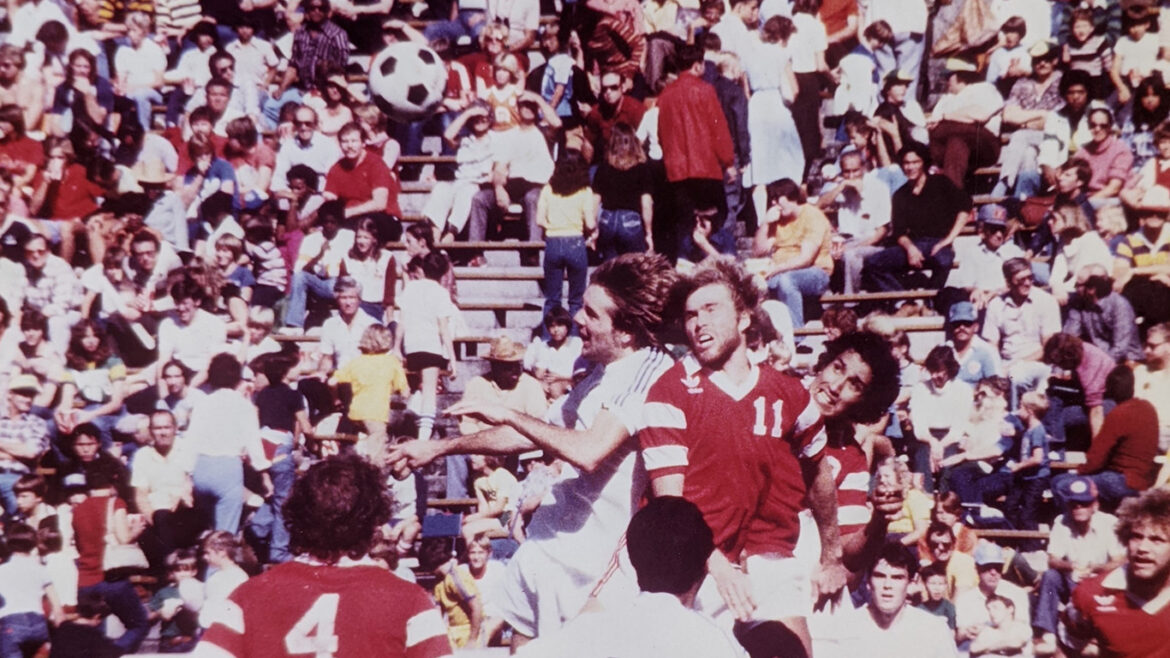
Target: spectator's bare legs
(430, 392)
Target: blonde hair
(232, 243)
(369, 115)
(222, 541)
(1036, 402)
(376, 339)
(138, 19)
(1111, 222)
(509, 63)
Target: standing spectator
(964, 125)
(566, 212)
(100, 518)
(795, 236)
(776, 150)
(1141, 271)
(614, 106)
(24, 582)
(1098, 315)
(927, 214)
(696, 150)
(623, 187)
(1109, 608)
(333, 513)
(284, 421)
(224, 428)
(425, 333)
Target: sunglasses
(315, 8)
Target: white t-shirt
(808, 40)
(341, 340)
(22, 585)
(195, 343)
(141, 65)
(982, 95)
(526, 153)
(870, 214)
(914, 632)
(422, 303)
(556, 360)
(1138, 57)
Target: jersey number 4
(761, 426)
(313, 632)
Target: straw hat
(151, 171)
(505, 349)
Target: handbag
(118, 556)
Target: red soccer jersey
(732, 446)
(851, 476)
(1103, 611)
(298, 609)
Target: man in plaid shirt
(51, 287)
(23, 436)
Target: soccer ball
(407, 80)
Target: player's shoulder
(296, 579)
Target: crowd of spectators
(224, 260)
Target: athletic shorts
(539, 594)
(781, 587)
(421, 360)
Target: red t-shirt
(77, 196)
(357, 184)
(754, 441)
(1103, 611)
(297, 609)
(24, 150)
(89, 532)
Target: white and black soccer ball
(407, 80)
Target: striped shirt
(1138, 251)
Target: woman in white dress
(776, 149)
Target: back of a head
(640, 287)
(335, 509)
(669, 543)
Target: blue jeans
(565, 256)
(144, 99)
(269, 520)
(123, 600)
(22, 634)
(620, 232)
(1055, 588)
(7, 480)
(219, 490)
(304, 283)
(883, 271)
(791, 287)
(460, 27)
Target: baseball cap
(993, 213)
(956, 65)
(1077, 490)
(988, 553)
(962, 312)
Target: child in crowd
(31, 507)
(489, 578)
(1003, 635)
(404, 526)
(1010, 61)
(224, 575)
(426, 317)
(375, 376)
(556, 352)
(1136, 53)
(495, 490)
(455, 592)
(24, 582)
(268, 266)
(934, 592)
(567, 212)
(1089, 50)
(83, 636)
(60, 564)
(177, 604)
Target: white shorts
(781, 587)
(539, 594)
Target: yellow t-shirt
(374, 378)
(566, 214)
(456, 587)
(810, 225)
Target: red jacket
(693, 131)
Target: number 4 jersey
(301, 609)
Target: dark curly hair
(1152, 507)
(883, 383)
(639, 285)
(335, 509)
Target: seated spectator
(1080, 365)
(140, 64)
(36, 357)
(163, 491)
(84, 635)
(979, 277)
(1077, 246)
(977, 360)
(1141, 271)
(495, 492)
(1109, 158)
(795, 237)
(935, 598)
(489, 578)
(23, 437)
(971, 606)
(553, 355)
(1083, 544)
(449, 205)
(942, 550)
(364, 184)
(1026, 108)
(455, 591)
(176, 604)
(1155, 173)
(1135, 53)
(964, 125)
(1088, 51)
(63, 195)
(948, 510)
(1003, 634)
(937, 405)
(1098, 315)
(374, 268)
(318, 264)
(51, 287)
(1019, 323)
(93, 384)
(862, 201)
(220, 550)
(977, 445)
(911, 522)
(30, 491)
(1065, 130)
(927, 214)
(191, 335)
